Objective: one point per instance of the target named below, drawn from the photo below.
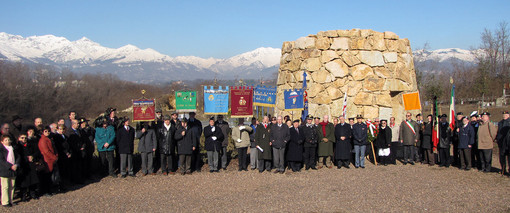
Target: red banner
(144, 110)
(241, 102)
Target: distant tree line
(484, 79)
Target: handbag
(41, 166)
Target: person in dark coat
(311, 134)
(213, 141)
(253, 147)
(466, 136)
(409, 135)
(31, 155)
(186, 144)
(196, 126)
(279, 137)
(125, 141)
(503, 141)
(15, 127)
(426, 143)
(343, 135)
(78, 149)
(383, 143)
(167, 146)
(475, 157)
(359, 138)
(295, 147)
(88, 135)
(225, 129)
(326, 141)
(146, 147)
(445, 141)
(64, 152)
(9, 165)
(262, 141)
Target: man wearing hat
(147, 145)
(213, 139)
(88, 134)
(15, 127)
(125, 141)
(196, 126)
(486, 137)
(311, 134)
(359, 138)
(166, 145)
(158, 121)
(475, 156)
(445, 141)
(458, 125)
(503, 141)
(409, 135)
(241, 137)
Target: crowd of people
(36, 158)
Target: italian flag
(452, 108)
(435, 126)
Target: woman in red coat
(50, 156)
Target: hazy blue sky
(226, 28)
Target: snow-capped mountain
(132, 63)
(147, 65)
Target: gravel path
(417, 188)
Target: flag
(452, 108)
(293, 100)
(412, 101)
(241, 102)
(435, 125)
(304, 113)
(344, 108)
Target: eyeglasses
(23, 137)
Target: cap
(211, 118)
(351, 119)
(166, 118)
(158, 110)
(505, 112)
(82, 120)
(309, 117)
(359, 116)
(460, 113)
(486, 113)
(474, 114)
(444, 116)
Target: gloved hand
(214, 137)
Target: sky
(222, 29)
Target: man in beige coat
(486, 136)
(241, 138)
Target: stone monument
(375, 69)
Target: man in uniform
(359, 135)
(311, 134)
(503, 143)
(225, 129)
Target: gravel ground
(399, 188)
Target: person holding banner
(213, 139)
(241, 138)
(186, 144)
(262, 141)
(279, 137)
(445, 141)
(426, 143)
(196, 126)
(409, 135)
(167, 145)
(360, 136)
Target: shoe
(154, 173)
(362, 167)
(307, 168)
(348, 167)
(225, 168)
(198, 171)
(313, 168)
(281, 172)
(183, 173)
(467, 169)
(143, 175)
(211, 171)
(275, 171)
(216, 170)
(356, 167)
(165, 173)
(260, 171)
(320, 167)
(188, 172)
(405, 163)
(132, 175)
(240, 170)
(338, 167)
(123, 176)
(330, 167)
(412, 163)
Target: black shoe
(240, 170)
(113, 175)
(253, 168)
(123, 176)
(225, 168)
(405, 163)
(338, 167)
(7, 206)
(198, 171)
(132, 175)
(217, 171)
(362, 167)
(260, 171)
(313, 168)
(356, 167)
(211, 171)
(307, 168)
(412, 163)
(348, 167)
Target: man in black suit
(77, 145)
(196, 126)
(125, 141)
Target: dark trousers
(185, 162)
(344, 163)
(394, 148)
(196, 159)
(408, 153)
(485, 159)
(309, 156)
(264, 164)
(295, 166)
(243, 155)
(465, 158)
(444, 156)
(167, 164)
(107, 162)
(224, 157)
(428, 156)
(503, 159)
(475, 157)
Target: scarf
(10, 154)
(323, 124)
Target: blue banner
(293, 100)
(264, 96)
(216, 100)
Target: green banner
(186, 101)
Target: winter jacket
(148, 141)
(240, 137)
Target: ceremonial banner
(412, 101)
(264, 96)
(215, 101)
(144, 110)
(186, 101)
(293, 100)
(304, 113)
(241, 102)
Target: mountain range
(149, 66)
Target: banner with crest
(216, 100)
(264, 96)
(293, 100)
(144, 110)
(241, 102)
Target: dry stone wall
(373, 68)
